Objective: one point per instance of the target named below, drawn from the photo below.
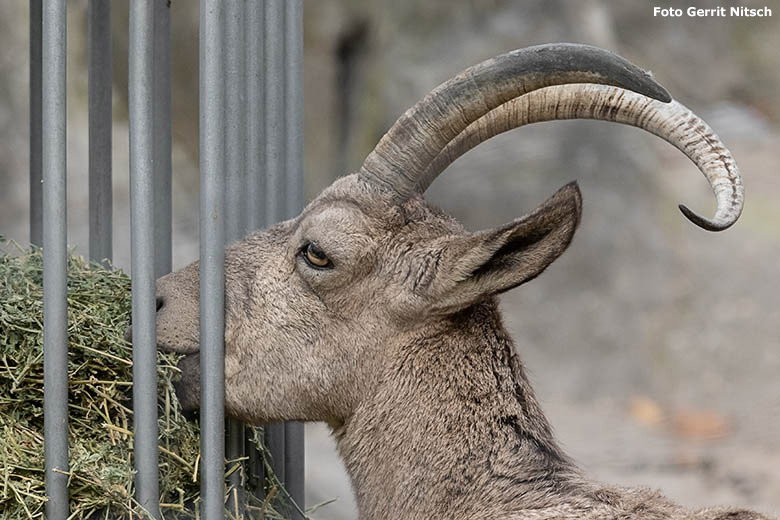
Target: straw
(100, 410)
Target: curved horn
(669, 121)
(417, 137)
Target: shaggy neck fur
(453, 429)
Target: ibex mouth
(166, 347)
(188, 386)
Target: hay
(100, 414)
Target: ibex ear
(475, 266)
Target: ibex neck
(453, 427)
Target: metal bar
(274, 109)
(255, 170)
(294, 465)
(55, 260)
(273, 33)
(212, 259)
(274, 441)
(235, 112)
(255, 121)
(162, 138)
(141, 114)
(36, 193)
(234, 450)
(100, 196)
(293, 85)
(235, 189)
(255, 470)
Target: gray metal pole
(255, 171)
(274, 163)
(235, 188)
(235, 111)
(293, 49)
(255, 470)
(294, 465)
(212, 259)
(141, 109)
(274, 441)
(234, 450)
(274, 110)
(36, 203)
(55, 260)
(100, 196)
(293, 84)
(162, 138)
(255, 210)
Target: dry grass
(100, 413)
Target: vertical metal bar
(36, 203)
(255, 171)
(274, 441)
(273, 48)
(212, 258)
(255, 210)
(294, 465)
(234, 450)
(255, 470)
(293, 84)
(55, 260)
(235, 107)
(100, 196)
(162, 138)
(274, 109)
(235, 187)
(141, 108)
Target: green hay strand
(100, 413)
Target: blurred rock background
(653, 345)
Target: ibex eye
(315, 256)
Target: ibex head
(314, 304)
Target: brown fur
(400, 349)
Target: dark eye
(315, 256)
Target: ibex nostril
(160, 303)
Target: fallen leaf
(645, 411)
(700, 424)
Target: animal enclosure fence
(251, 175)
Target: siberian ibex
(375, 312)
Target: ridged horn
(418, 136)
(670, 121)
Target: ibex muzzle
(375, 312)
